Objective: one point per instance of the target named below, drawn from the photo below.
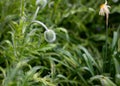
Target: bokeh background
(75, 58)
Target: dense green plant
(76, 58)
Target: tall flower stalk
(40, 4)
(104, 11)
(36, 12)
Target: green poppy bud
(49, 35)
(41, 3)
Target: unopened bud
(49, 35)
(41, 3)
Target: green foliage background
(76, 58)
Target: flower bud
(41, 3)
(49, 35)
(115, 1)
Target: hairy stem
(106, 34)
(40, 23)
(36, 12)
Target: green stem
(106, 35)
(40, 23)
(22, 8)
(106, 47)
(36, 12)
